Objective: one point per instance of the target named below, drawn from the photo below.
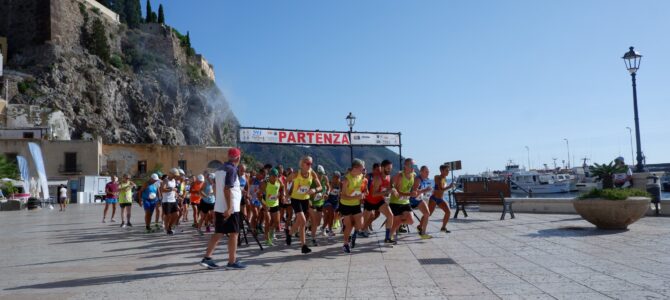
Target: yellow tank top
(354, 185)
(272, 194)
(301, 186)
(405, 187)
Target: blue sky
(470, 80)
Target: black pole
(400, 166)
(351, 146)
(639, 167)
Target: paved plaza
(47, 254)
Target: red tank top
(386, 184)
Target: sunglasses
(308, 163)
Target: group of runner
(298, 203)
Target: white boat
(536, 183)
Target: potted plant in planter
(609, 207)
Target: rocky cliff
(150, 89)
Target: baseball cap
(201, 177)
(274, 172)
(234, 153)
(154, 176)
(320, 169)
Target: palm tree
(605, 172)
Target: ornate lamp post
(351, 120)
(632, 59)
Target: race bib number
(404, 197)
(318, 197)
(303, 189)
(335, 192)
(356, 193)
(273, 198)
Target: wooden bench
(494, 198)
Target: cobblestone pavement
(48, 254)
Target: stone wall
(25, 23)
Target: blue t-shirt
(151, 188)
(231, 174)
(209, 190)
(423, 183)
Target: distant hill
(330, 157)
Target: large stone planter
(612, 214)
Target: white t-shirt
(235, 192)
(63, 192)
(171, 196)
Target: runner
(182, 199)
(423, 187)
(159, 204)
(437, 198)
(111, 197)
(126, 199)
(255, 207)
(375, 201)
(227, 214)
(353, 191)
(317, 202)
(149, 197)
(286, 209)
(62, 197)
(300, 194)
(170, 202)
(332, 203)
(403, 184)
(195, 193)
(273, 193)
(206, 206)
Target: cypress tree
(98, 44)
(161, 16)
(154, 17)
(133, 13)
(119, 7)
(149, 12)
(188, 39)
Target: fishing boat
(532, 182)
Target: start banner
(324, 138)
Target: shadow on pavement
(101, 280)
(573, 231)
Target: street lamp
(632, 59)
(630, 133)
(567, 143)
(528, 150)
(351, 120)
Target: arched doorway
(215, 164)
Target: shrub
(116, 61)
(613, 194)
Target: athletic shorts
(187, 200)
(111, 200)
(414, 202)
(205, 207)
(285, 205)
(230, 225)
(347, 210)
(318, 208)
(300, 205)
(371, 207)
(273, 210)
(333, 201)
(399, 209)
(149, 205)
(437, 201)
(170, 207)
(125, 204)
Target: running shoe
(336, 225)
(314, 243)
(288, 237)
(269, 243)
(148, 230)
(129, 225)
(123, 225)
(418, 229)
(323, 232)
(207, 229)
(170, 232)
(305, 249)
(444, 229)
(200, 232)
(113, 221)
(331, 233)
(390, 241)
(353, 240)
(236, 266)
(402, 229)
(346, 248)
(209, 263)
(426, 236)
(365, 234)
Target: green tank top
(353, 187)
(405, 187)
(272, 194)
(317, 199)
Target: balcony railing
(69, 169)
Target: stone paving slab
(46, 254)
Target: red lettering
(319, 138)
(301, 137)
(310, 135)
(291, 137)
(327, 138)
(336, 141)
(282, 136)
(345, 139)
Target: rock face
(152, 93)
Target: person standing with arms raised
(227, 214)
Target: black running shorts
(230, 225)
(399, 209)
(349, 210)
(300, 205)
